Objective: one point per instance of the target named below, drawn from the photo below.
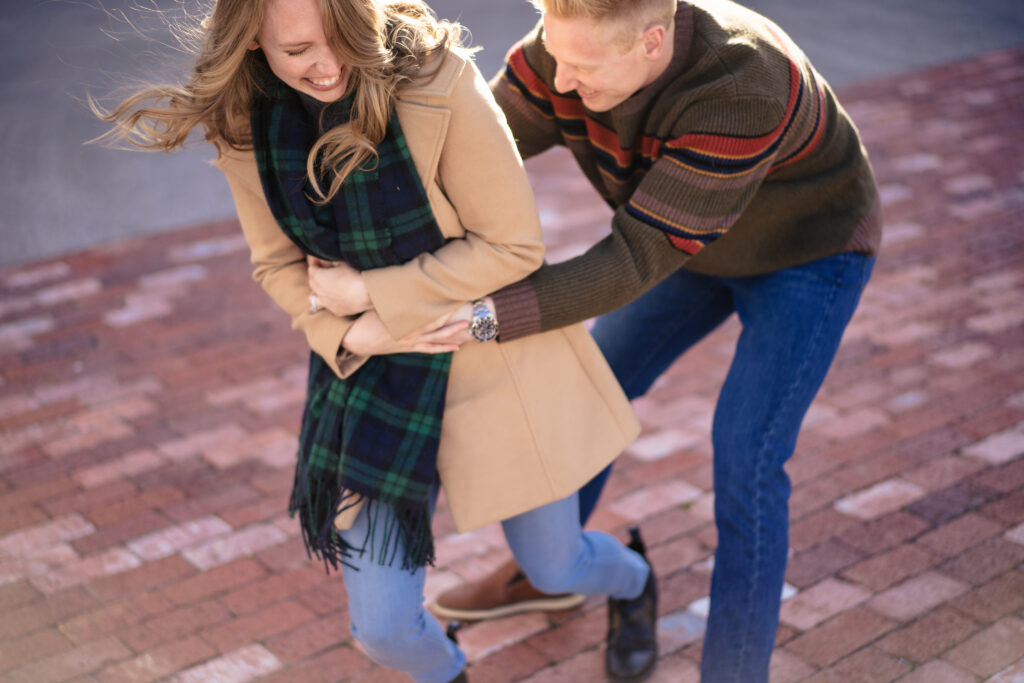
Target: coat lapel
(425, 129)
(426, 125)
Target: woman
(359, 131)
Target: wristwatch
(484, 326)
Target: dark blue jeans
(792, 321)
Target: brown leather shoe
(506, 591)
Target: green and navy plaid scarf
(375, 434)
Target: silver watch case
(484, 326)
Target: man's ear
(653, 41)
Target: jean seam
(760, 470)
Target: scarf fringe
(390, 530)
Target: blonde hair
(384, 44)
(627, 17)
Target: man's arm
(703, 180)
(609, 275)
(692, 195)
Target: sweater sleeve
(700, 184)
(524, 99)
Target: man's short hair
(631, 16)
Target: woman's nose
(328, 62)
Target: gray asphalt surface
(60, 195)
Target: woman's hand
(338, 287)
(368, 337)
(463, 316)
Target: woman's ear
(254, 45)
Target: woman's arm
(483, 180)
(280, 268)
(279, 265)
(367, 337)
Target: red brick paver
(150, 395)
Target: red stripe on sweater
(606, 140)
(728, 147)
(689, 246)
(565, 107)
(817, 135)
(820, 91)
(529, 78)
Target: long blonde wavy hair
(384, 44)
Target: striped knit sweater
(736, 161)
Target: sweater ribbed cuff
(517, 311)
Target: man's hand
(368, 337)
(338, 287)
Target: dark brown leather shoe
(506, 591)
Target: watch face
(485, 328)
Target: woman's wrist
(365, 300)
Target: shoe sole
(553, 604)
(643, 675)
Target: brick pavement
(150, 393)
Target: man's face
(592, 62)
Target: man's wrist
(517, 309)
(483, 323)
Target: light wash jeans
(792, 322)
(386, 603)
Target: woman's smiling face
(293, 40)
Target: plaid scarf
(375, 434)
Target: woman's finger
(446, 335)
(320, 263)
(435, 348)
(434, 325)
(446, 332)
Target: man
(739, 185)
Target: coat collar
(424, 111)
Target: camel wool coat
(526, 422)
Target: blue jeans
(386, 603)
(792, 321)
